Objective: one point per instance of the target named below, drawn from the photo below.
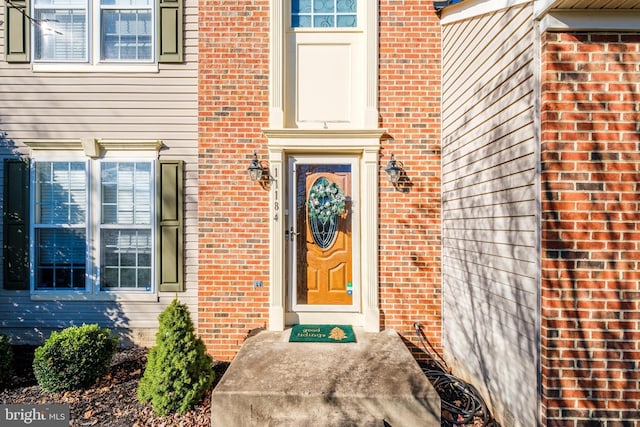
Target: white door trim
(366, 144)
(354, 162)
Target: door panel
(323, 241)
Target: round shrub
(74, 358)
(6, 360)
(179, 370)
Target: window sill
(83, 296)
(90, 68)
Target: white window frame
(335, 15)
(92, 62)
(94, 154)
(37, 226)
(98, 226)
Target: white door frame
(366, 145)
(353, 160)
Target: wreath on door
(326, 201)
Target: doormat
(322, 333)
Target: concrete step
(373, 382)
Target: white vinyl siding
(52, 106)
(490, 260)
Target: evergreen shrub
(74, 358)
(6, 360)
(179, 371)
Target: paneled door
(321, 233)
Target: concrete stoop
(373, 382)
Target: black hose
(461, 403)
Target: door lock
(290, 234)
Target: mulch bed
(112, 401)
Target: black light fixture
(393, 170)
(255, 169)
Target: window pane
(323, 6)
(323, 21)
(127, 3)
(323, 13)
(346, 21)
(60, 258)
(61, 196)
(61, 34)
(60, 217)
(71, 4)
(126, 193)
(301, 21)
(346, 6)
(301, 6)
(126, 259)
(126, 35)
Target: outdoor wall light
(255, 169)
(393, 170)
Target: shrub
(178, 370)
(6, 360)
(74, 358)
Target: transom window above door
(324, 13)
(94, 30)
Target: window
(93, 32)
(125, 229)
(124, 30)
(62, 224)
(323, 13)
(105, 226)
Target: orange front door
(323, 234)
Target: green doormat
(322, 333)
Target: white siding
(490, 229)
(115, 106)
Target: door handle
(290, 234)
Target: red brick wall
(590, 228)
(409, 106)
(233, 212)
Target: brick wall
(233, 212)
(409, 106)
(590, 229)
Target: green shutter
(170, 229)
(170, 30)
(17, 30)
(16, 224)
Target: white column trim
(369, 240)
(366, 143)
(371, 52)
(277, 270)
(276, 64)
